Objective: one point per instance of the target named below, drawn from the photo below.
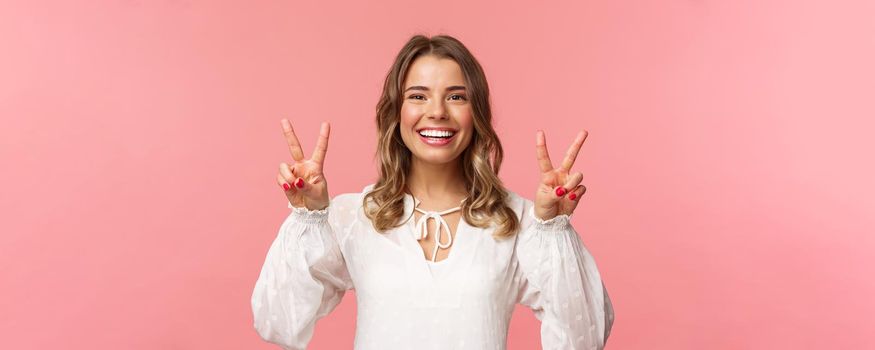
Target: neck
(436, 183)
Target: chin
(438, 158)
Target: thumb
(549, 195)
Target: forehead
(430, 70)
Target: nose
(437, 111)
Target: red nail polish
(560, 191)
(572, 196)
(300, 183)
(287, 186)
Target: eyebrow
(423, 88)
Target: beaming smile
(436, 136)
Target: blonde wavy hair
(486, 194)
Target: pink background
(729, 162)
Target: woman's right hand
(303, 181)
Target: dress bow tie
(422, 228)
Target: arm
(561, 281)
(562, 285)
(303, 278)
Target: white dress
(406, 301)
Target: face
(437, 121)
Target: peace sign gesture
(560, 189)
(303, 181)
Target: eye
(416, 97)
(460, 97)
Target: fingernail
(286, 186)
(560, 191)
(300, 183)
(572, 196)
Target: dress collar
(409, 203)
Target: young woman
(438, 251)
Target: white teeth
(436, 133)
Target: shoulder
(348, 204)
(518, 204)
(350, 201)
(344, 211)
(346, 200)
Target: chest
(395, 266)
(436, 234)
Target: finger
(292, 140)
(282, 182)
(543, 157)
(572, 181)
(315, 179)
(577, 192)
(560, 191)
(286, 173)
(300, 184)
(571, 154)
(322, 143)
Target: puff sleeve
(303, 278)
(561, 284)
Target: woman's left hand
(560, 189)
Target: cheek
(408, 119)
(465, 119)
(409, 116)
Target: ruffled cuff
(307, 216)
(557, 223)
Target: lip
(437, 142)
(436, 128)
